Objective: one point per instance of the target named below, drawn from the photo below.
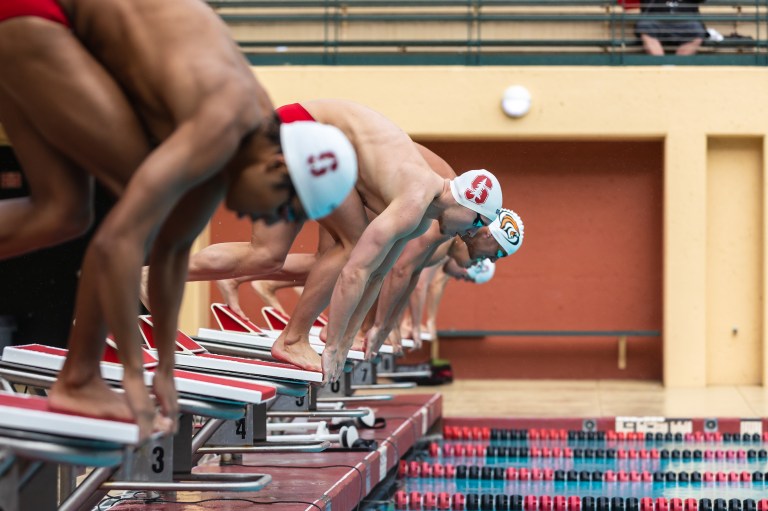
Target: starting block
(388, 369)
(294, 395)
(161, 464)
(31, 432)
(249, 434)
(238, 335)
(236, 332)
(187, 383)
(364, 373)
(277, 322)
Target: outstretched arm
(402, 219)
(194, 153)
(168, 270)
(398, 285)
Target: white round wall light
(516, 101)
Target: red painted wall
(591, 260)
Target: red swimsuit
(46, 9)
(292, 113)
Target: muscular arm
(169, 259)
(371, 293)
(116, 254)
(400, 282)
(168, 264)
(264, 255)
(399, 221)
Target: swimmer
(408, 209)
(213, 137)
(491, 243)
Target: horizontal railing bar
(319, 4)
(504, 58)
(489, 18)
(482, 43)
(337, 4)
(548, 333)
(462, 42)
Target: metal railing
(479, 32)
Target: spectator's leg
(652, 45)
(689, 48)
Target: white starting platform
(240, 336)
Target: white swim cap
(322, 164)
(482, 271)
(508, 229)
(478, 190)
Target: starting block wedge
(277, 322)
(193, 356)
(238, 331)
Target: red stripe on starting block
(39, 348)
(184, 343)
(275, 319)
(232, 383)
(231, 321)
(110, 355)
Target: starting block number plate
(363, 373)
(153, 461)
(653, 425)
(387, 363)
(234, 432)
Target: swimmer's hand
(333, 365)
(396, 340)
(416, 336)
(373, 342)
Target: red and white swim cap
(478, 190)
(322, 164)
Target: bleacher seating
(469, 31)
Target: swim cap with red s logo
(322, 164)
(478, 190)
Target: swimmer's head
(479, 192)
(508, 230)
(295, 171)
(480, 246)
(322, 164)
(260, 185)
